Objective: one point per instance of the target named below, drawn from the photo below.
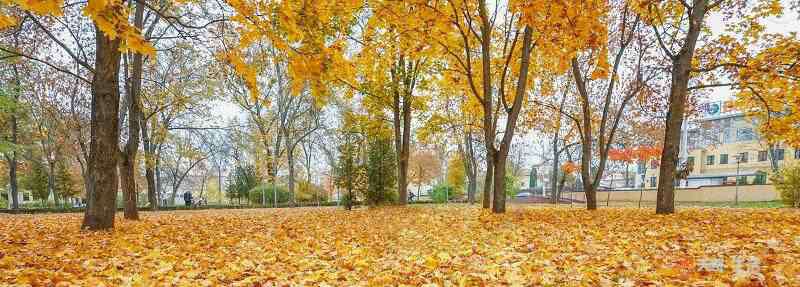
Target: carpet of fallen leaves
(433, 245)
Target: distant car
(523, 194)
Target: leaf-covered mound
(412, 246)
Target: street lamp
(738, 158)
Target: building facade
(720, 146)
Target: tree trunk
(152, 199)
(401, 111)
(681, 66)
(51, 181)
(12, 172)
(128, 158)
(499, 199)
(290, 163)
(12, 160)
(487, 184)
(149, 170)
(104, 135)
(500, 155)
(157, 171)
(469, 167)
(554, 198)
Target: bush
(243, 179)
(346, 201)
(787, 182)
(381, 169)
(441, 193)
(255, 194)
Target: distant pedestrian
(187, 199)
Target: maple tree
(695, 58)
(604, 91)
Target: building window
(690, 162)
(723, 158)
(743, 157)
(744, 134)
(760, 179)
(742, 180)
(653, 164)
(762, 155)
(778, 154)
(710, 160)
(797, 153)
(640, 167)
(653, 181)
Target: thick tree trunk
(104, 135)
(678, 94)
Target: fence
(719, 193)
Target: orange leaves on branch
(645, 153)
(40, 7)
(247, 72)
(309, 34)
(111, 17)
(565, 28)
(570, 167)
(7, 21)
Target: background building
(720, 145)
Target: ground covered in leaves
(433, 245)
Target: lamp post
(736, 197)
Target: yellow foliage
(7, 21)
(440, 246)
(111, 17)
(41, 7)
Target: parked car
(523, 195)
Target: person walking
(187, 199)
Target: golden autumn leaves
(434, 246)
(110, 17)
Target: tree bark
(554, 198)
(290, 163)
(469, 167)
(104, 150)
(128, 156)
(499, 188)
(13, 182)
(401, 111)
(501, 154)
(678, 93)
(487, 184)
